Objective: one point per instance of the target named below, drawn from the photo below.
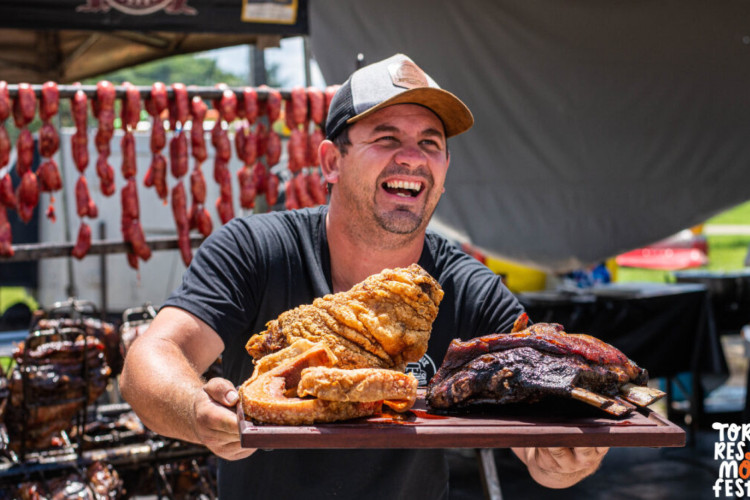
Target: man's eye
(386, 138)
(431, 143)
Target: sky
(289, 57)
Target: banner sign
(284, 17)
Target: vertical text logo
(731, 449)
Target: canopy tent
(600, 126)
(68, 40)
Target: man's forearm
(161, 387)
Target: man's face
(393, 172)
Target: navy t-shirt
(253, 269)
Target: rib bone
(641, 395)
(602, 402)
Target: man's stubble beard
(402, 226)
(392, 229)
(405, 222)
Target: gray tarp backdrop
(600, 126)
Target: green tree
(188, 69)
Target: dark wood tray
(420, 429)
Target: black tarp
(668, 330)
(188, 16)
(601, 126)
(69, 40)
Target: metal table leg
(488, 471)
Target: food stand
(480, 432)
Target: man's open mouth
(407, 189)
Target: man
(386, 158)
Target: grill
(61, 432)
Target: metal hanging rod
(67, 91)
(36, 251)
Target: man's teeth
(411, 186)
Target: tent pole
(307, 56)
(257, 66)
(70, 289)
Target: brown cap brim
(454, 114)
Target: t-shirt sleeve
(218, 285)
(479, 301)
(488, 305)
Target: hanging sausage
(85, 205)
(130, 224)
(49, 142)
(27, 195)
(226, 107)
(179, 211)
(156, 175)
(6, 240)
(7, 195)
(246, 145)
(198, 217)
(179, 111)
(103, 108)
(83, 241)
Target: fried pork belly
(343, 356)
(267, 398)
(383, 322)
(267, 363)
(362, 385)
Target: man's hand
(560, 467)
(216, 420)
(161, 379)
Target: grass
(740, 214)
(726, 252)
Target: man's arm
(162, 382)
(560, 467)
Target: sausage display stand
(103, 432)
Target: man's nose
(410, 155)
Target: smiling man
(386, 159)
(386, 183)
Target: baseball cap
(396, 80)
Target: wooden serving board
(420, 429)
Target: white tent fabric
(600, 126)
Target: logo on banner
(732, 451)
(138, 7)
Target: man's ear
(330, 157)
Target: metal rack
(36, 251)
(67, 91)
